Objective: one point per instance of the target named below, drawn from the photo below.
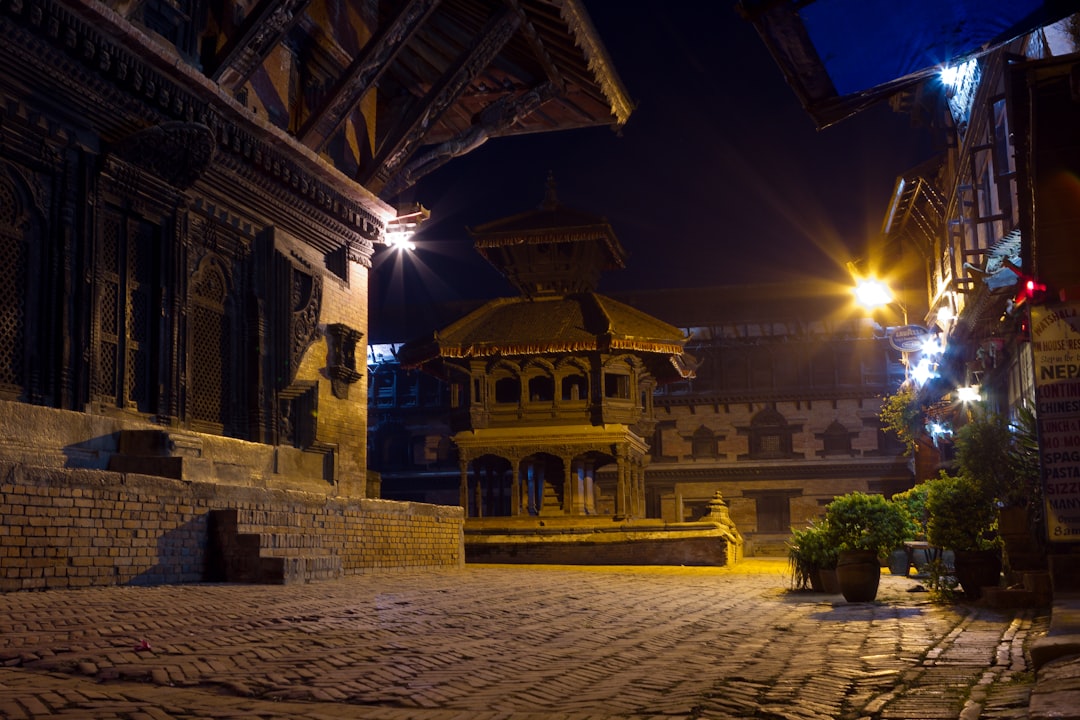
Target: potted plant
(963, 518)
(865, 528)
(812, 557)
(913, 502)
(1003, 457)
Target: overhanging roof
(584, 322)
(840, 56)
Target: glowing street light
(872, 293)
(968, 394)
(400, 230)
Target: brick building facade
(190, 197)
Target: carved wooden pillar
(641, 512)
(589, 470)
(463, 488)
(621, 485)
(515, 487)
(478, 492)
(571, 495)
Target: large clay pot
(829, 584)
(976, 569)
(859, 574)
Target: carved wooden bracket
(341, 360)
(177, 152)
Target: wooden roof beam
(363, 72)
(396, 149)
(262, 30)
(492, 121)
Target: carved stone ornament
(341, 360)
(304, 325)
(177, 152)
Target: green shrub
(867, 522)
(962, 514)
(914, 503)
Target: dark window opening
(541, 389)
(508, 391)
(574, 388)
(617, 385)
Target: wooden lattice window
(126, 297)
(13, 270)
(211, 348)
(770, 436)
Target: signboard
(908, 338)
(1055, 340)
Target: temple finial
(551, 200)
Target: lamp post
(871, 293)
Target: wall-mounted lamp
(400, 230)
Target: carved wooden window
(211, 349)
(13, 272)
(126, 297)
(770, 436)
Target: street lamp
(400, 230)
(872, 293)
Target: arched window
(770, 436)
(703, 443)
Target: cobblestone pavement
(515, 643)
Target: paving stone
(518, 643)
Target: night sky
(719, 177)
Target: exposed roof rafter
(364, 72)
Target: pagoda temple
(550, 386)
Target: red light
(1031, 290)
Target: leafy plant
(867, 522)
(963, 515)
(941, 581)
(913, 502)
(810, 549)
(1002, 457)
(902, 415)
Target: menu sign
(1055, 340)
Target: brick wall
(74, 528)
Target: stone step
(276, 555)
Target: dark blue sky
(718, 178)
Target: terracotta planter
(859, 574)
(976, 569)
(830, 584)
